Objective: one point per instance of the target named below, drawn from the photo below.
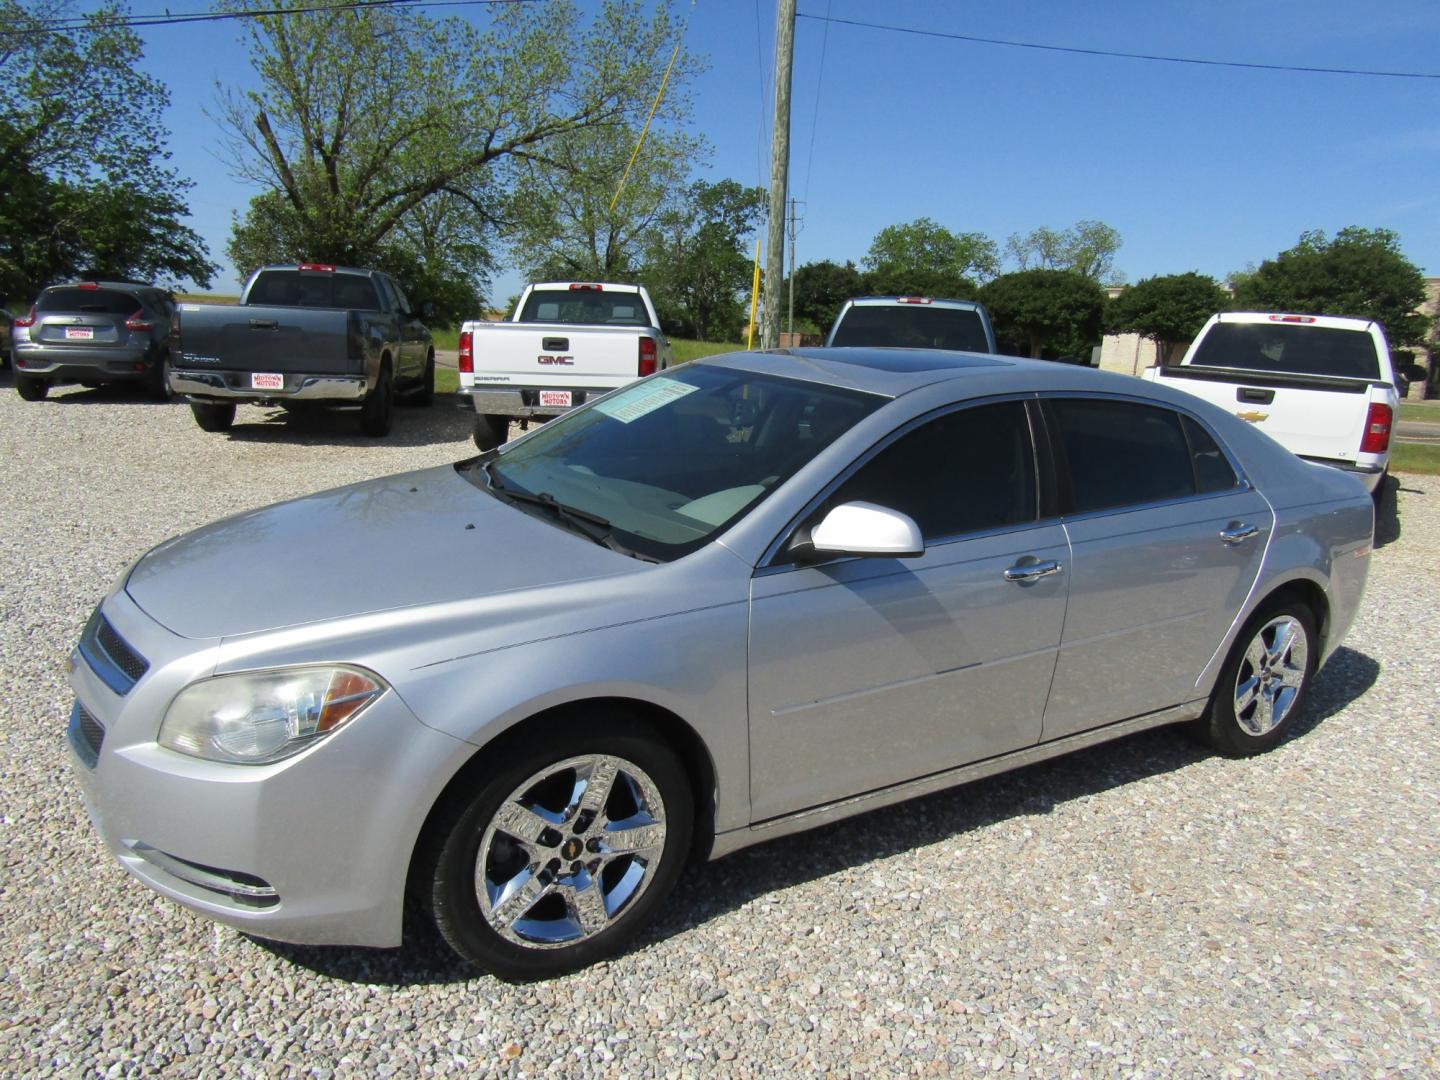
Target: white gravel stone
(1139, 909)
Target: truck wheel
(377, 411)
(491, 431)
(425, 396)
(159, 382)
(31, 389)
(213, 417)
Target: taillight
(647, 356)
(582, 286)
(1293, 318)
(1377, 429)
(912, 300)
(467, 351)
(139, 322)
(317, 268)
(26, 321)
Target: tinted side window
(1121, 453)
(1212, 471)
(964, 472)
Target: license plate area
(555, 399)
(266, 380)
(79, 333)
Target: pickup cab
(1321, 386)
(565, 343)
(913, 322)
(304, 335)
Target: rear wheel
(491, 431)
(31, 389)
(425, 396)
(560, 857)
(159, 382)
(1263, 684)
(213, 416)
(377, 411)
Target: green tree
(1361, 272)
(699, 264)
(363, 119)
(1167, 310)
(1055, 310)
(82, 152)
(1087, 247)
(924, 251)
(820, 289)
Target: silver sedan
(737, 599)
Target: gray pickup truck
(302, 335)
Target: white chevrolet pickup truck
(1321, 386)
(566, 342)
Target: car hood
(411, 539)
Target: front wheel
(491, 431)
(563, 855)
(1264, 681)
(377, 411)
(213, 416)
(31, 389)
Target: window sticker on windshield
(642, 400)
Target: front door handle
(1236, 533)
(1031, 571)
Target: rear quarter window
(1290, 348)
(1122, 453)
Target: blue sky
(1199, 168)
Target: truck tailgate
(280, 339)
(557, 354)
(1312, 416)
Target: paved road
(1418, 431)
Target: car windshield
(912, 326)
(1291, 349)
(668, 463)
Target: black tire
(468, 844)
(491, 431)
(31, 389)
(1240, 731)
(216, 416)
(425, 396)
(159, 382)
(377, 411)
(1381, 489)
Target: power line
(63, 26)
(1122, 55)
(815, 117)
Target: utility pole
(790, 322)
(779, 171)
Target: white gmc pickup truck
(566, 342)
(1321, 386)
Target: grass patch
(205, 298)
(686, 351)
(447, 380)
(1425, 411)
(1415, 458)
(445, 338)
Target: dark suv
(93, 332)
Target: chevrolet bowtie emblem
(1253, 416)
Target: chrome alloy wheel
(569, 851)
(1271, 675)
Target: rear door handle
(1031, 571)
(1236, 533)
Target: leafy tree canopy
(1056, 310)
(923, 250)
(365, 119)
(1167, 310)
(82, 153)
(1361, 272)
(820, 289)
(1087, 247)
(698, 267)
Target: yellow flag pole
(646, 129)
(754, 297)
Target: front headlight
(258, 717)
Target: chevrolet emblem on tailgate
(1253, 416)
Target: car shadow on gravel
(710, 890)
(443, 422)
(1387, 510)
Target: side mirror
(1413, 372)
(860, 529)
(427, 310)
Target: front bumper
(84, 365)
(314, 849)
(235, 386)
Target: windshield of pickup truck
(1289, 348)
(912, 327)
(666, 464)
(314, 289)
(584, 307)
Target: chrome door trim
(728, 842)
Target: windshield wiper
(583, 522)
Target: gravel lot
(1140, 909)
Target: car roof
(893, 372)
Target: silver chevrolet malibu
(735, 600)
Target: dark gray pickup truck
(306, 334)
